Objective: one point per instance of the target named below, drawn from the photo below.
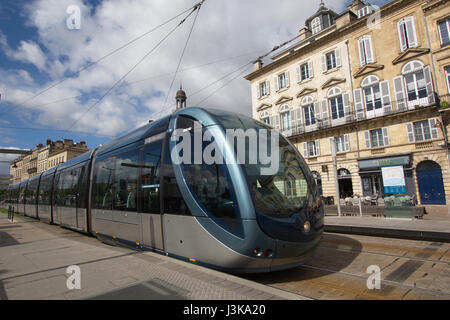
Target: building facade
(42, 158)
(371, 83)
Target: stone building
(42, 158)
(370, 81)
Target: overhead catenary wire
(102, 58)
(133, 68)
(182, 54)
(142, 80)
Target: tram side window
(62, 179)
(103, 184)
(173, 200)
(125, 181)
(150, 178)
(82, 187)
(22, 194)
(44, 190)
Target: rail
(401, 106)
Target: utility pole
(336, 182)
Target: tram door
(151, 222)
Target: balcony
(32, 170)
(401, 106)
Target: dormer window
(364, 11)
(316, 26)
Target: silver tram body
(223, 215)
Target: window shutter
(347, 108)
(429, 82)
(402, 35)
(316, 143)
(310, 69)
(258, 90)
(287, 78)
(386, 97)
(324, 63)
(293, 119)
(305, 149)
(324, 114)
(433, 127)
(277, 122)
(385, 137)
(268, 87)
(369, 49)
(367, 139)
(317, 111)
(359, 106)
(299, 74)
(410, 132)
(346, 142)
(298, 116)
(399, 93)
(362, 52)
(411, 29)
(277, 84)
(337, 52)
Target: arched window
(316, 25)
(372, 96)
(264, 116)
(308, 110)
(336, 103)
(416, 85)
(285, 117)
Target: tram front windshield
(283, 193)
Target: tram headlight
(307, 226)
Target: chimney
(257, 64)
(48, 142)
(83, 143)
(68, 142)
(305, 33)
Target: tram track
(409, 270)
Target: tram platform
(34, 261)
(414, 229)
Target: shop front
(387, 175)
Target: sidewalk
(417, 229)
(34, 257)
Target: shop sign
(393, 179)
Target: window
(422, 130)
(372, 95)
(304, 71)
(444, 32)
(281, 81)
(263, 89)
(376, 138)
(311, 149)
(407, 33)
(416, 85)
(285, 117)
(264, 116)
(103, 184)
(150, 188)
(336, 103)
(310, 119)
(331, 60)
(342, 143)
(125, 181)
(316, 25)
(364, 11)
(365, 50)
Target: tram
(151, 189)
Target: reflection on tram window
(150, 178)
(285, 193)
(125, 181)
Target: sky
(42, 43)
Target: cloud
(224, 29)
